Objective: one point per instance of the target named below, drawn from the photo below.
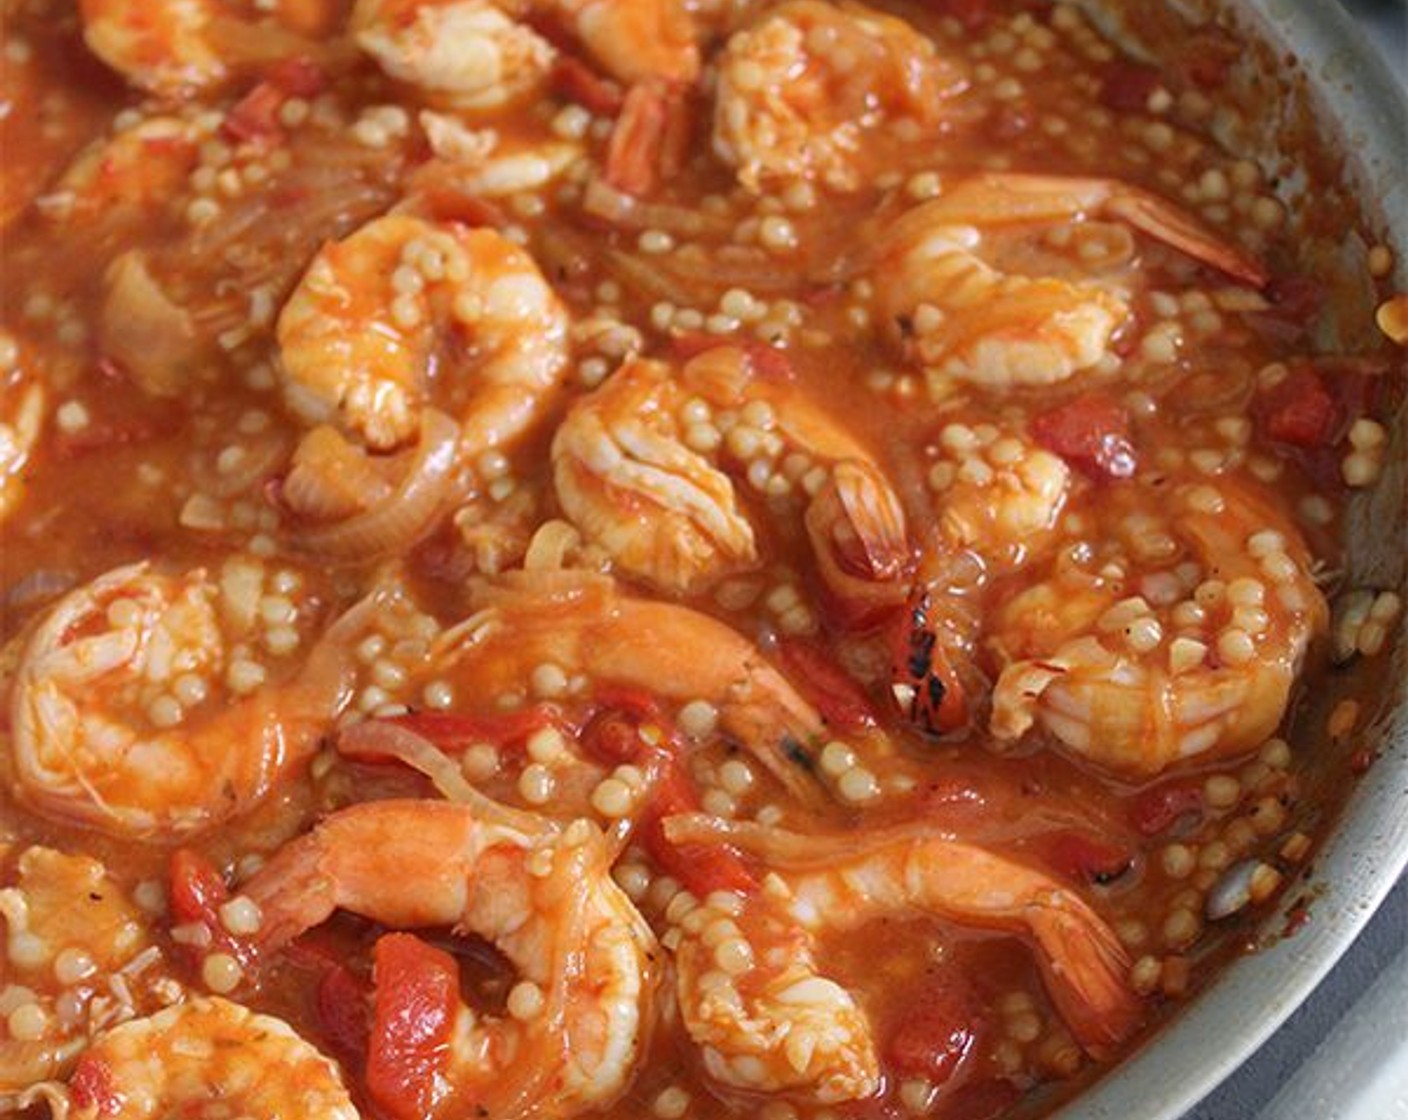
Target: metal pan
(1332, 78)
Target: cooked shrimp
(176, 48)
(131, 711)
(959, 316)
(997, 494)
(207, 1057)
(640, 467)
(479, 54)
(68, 907)
(842, 882)
(118, 180)
(802, 91)
(462, 54)
(543, 896)
(753, 998)
(23, 407)
(1195, 662)
(584, 624)
(404, 309)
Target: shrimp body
(69, 901)
(206, 1057)
(542, 895)
(403, 308)
(464, 54)
(117, 717)
(997, 494)
(800, 90)
(961, 317)
(584, 624)
(481, 54)
(643, 467)
(1082, 962)
(178, 47)
(754, 1001)
(1195, 663)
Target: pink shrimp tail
(1086, 971)
(293, 893)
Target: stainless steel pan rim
(1359, 101)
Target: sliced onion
(378, 739)
(404, 516)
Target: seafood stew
(622, 559)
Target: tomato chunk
(197, 891)
(1086, 857)
(417, 988)
(940, 1028)
(1156, 810)
(90, 1087)
(842, 702)
(1299, 410)
(1092, 434)
(703, 868)
(575, 80)
(454, 733)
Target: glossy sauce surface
(766, 561)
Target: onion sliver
(405, 515)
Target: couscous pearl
(221, 973)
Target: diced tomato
(417, 989)
(631, 164)
(1157, 810)
(575, 80)
(702, 868)
(1085, 856)
(940, 1027)
(197, 888)
(298, 77)
(1299, 410)
(842, 702)
(937, 702)
(452, 732)
(344, 1012)
(197, 892)
(90, 1087)
(1092, 434)
(612, 738)
(1127, 86)
(255, 117)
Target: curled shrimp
(1195, 662)
(640, 468)
(405, 307)
(804, 90)
(134, 709)
(752, 996)
(959, 316)
(463, 54)
(478, 54)
(997, 498)
(62, 903)
(585, 625)
(840, 883)
(204, 1057)
(176, 49)
(118, 181)
(543, 895)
